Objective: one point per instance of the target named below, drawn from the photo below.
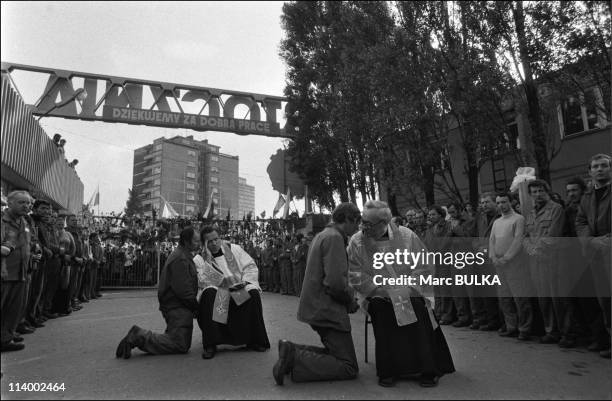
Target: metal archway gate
(153, 103)
(95, 97)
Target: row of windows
(188, 185)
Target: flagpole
(98, 198)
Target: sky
(227, 45)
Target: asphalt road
(78, 351)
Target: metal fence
(124, 268)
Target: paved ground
(79, 351)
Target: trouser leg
(12, 299)
(26, 298)
(36, 287)
(506, 301)
(175, 340)
(74, 276)
(544, 291)
(53, 273)
(84, 292)
(336, 361)
(276, 278)
(297, 282)
(462, 303)
(477, 304)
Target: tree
(133, 206)
(376, 89)
(535, 41)
(328, 54)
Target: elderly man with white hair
(409, 340)
(16, 247)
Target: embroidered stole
(399, 294)
(232, 276)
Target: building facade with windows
(246, 198)
(186, 173)
(577, 127)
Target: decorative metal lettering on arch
(159, 104)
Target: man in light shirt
(505, 251)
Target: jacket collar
(10, 218)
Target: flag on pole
(95, 199)
(209, 213)
(168, 211)
(279, 203)
(287, 200)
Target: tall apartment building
(186, 173)
(246, 198)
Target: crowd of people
(51, 266)
(216, 272)
(553, 262)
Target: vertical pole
(158, 254)
(306, 200)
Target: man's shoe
(386, 382)
(509, 334)
(524, 337)
(461, 323)
(548, 339)
(124, 349)
(567, 342)
(12, 347)
(17, 339)
(286, 354)
(29, 325)
(37, 324)
(488, 327)
(50, 315)
(98, 295)
(209, 352)
(428, 381)
(605, 353)
(475, 326)
(445, 322)
(23, 329)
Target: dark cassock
(409, 340)
(230, 309)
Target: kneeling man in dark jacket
(178, 286)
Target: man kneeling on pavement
(178, 287)
(230, 309)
